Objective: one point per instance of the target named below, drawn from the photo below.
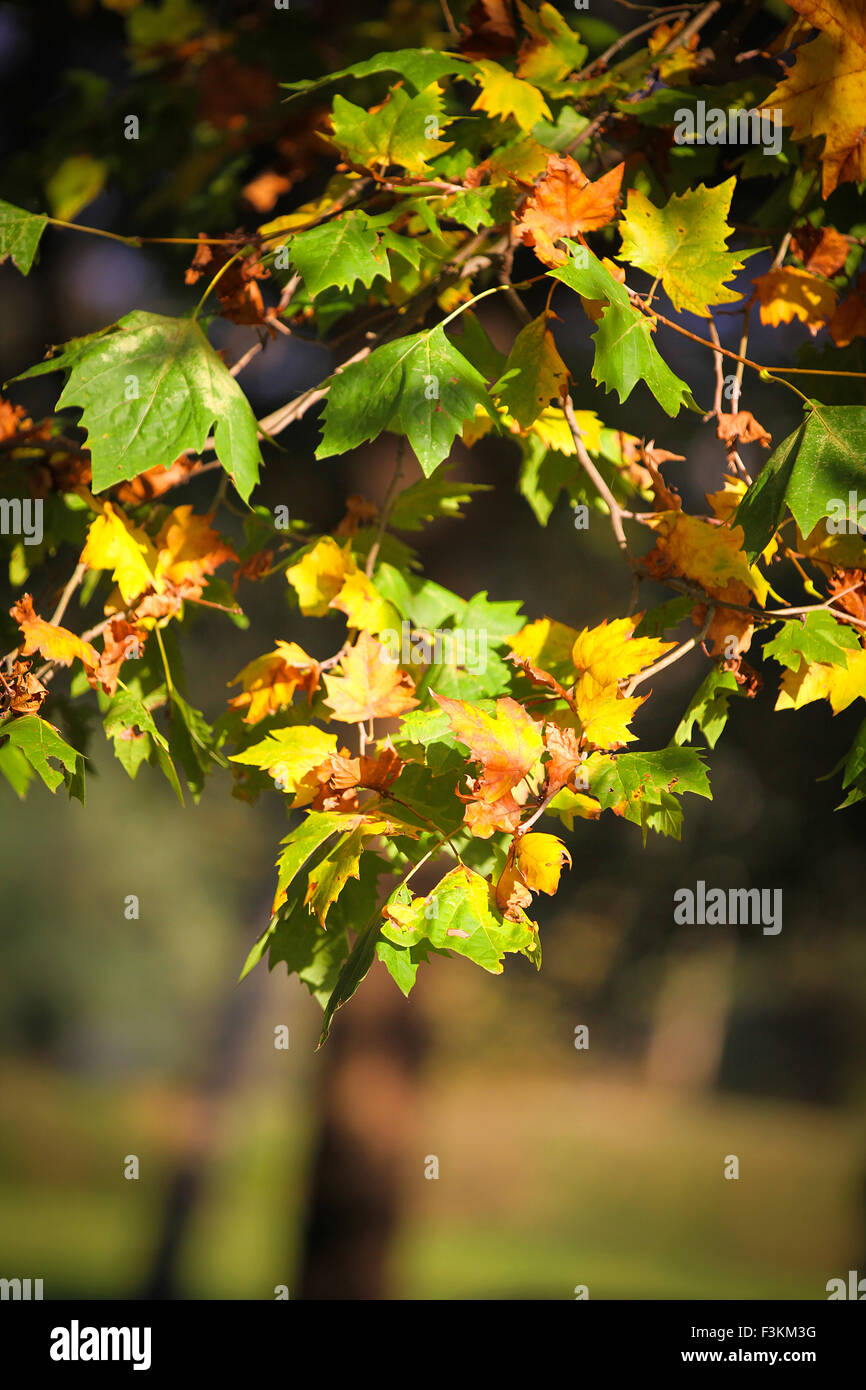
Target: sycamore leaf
(534, 373)
(823, 459)
(38, 741)
(150, 388)
(289, 755)
(370, 686)
(319, 575)
(624, 349)
(503, 95)
(431, 498)
(552, 52)
(633, 783)
(714, 556)
(708, 707)
(56, 643)
(364, 606)
(326, 881)
(189, 550)
(684, 244)
(403, 131)
(841, 684)
(818, 637)
(825, 91)
(269, 682)
(460, 914)
(420, 67)
(540, 858)
(563, 203)
(420, 386)
(340, 253)
(507, 743)
(114, 543)
(20, 233)
(787, 295)
(610, 652)
(547, 644)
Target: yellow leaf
(507, 743)
(318, 576)
(289, 756)
(113, 543)
(825, 91)
(504, 95)
(712, 555)
(789, 294)
(269, 682)
(540, 859)
(364, 606)
(189, 549)
(609, 653)
(545, 643)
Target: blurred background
(265, 1169)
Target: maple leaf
(114, 543)
(503, 95)
(684, 245)
(711, 555)
(624, 349)
(460, 914)
(371, 686)
(565, 202)
(741, 425)
(547, 644)
(825, 91)
(822, 250)
(269, 683)
(507, 743)
(318, 576)
(149, 389)
(788, 294)
(394, 133)
(289, 756)
(20, 233)
(552, 51)
(540, 858)
(189, 549)
(820, 460)
(340, 253)
(55, 643)
(364, 606)
(610, 652)
(121, 641)
(534, 374)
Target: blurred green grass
(544, 1184)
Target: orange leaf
(56, 643)
(371, 685)
(507, 744)
(269, 682)
(188, 549)
(563, 203)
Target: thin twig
(616, 511)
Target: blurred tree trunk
(364, 1151)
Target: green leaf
(534, 373)
(402, 963)
(684, 244)
(854, 774)
(340, 253)
(20, 233)
(460, 915)
(420, 386)
(75, 184)
(326, 882)
(624, 349)
(16, 769)
(149, 388)
(708, 707)
(191, 744)
(303, 841)
(420, 67)
(430, 498)
(38, 741)
(404, 131)
(657, 621)
(637, 781)
(818, 637)
(820, 462)
(423, 602)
